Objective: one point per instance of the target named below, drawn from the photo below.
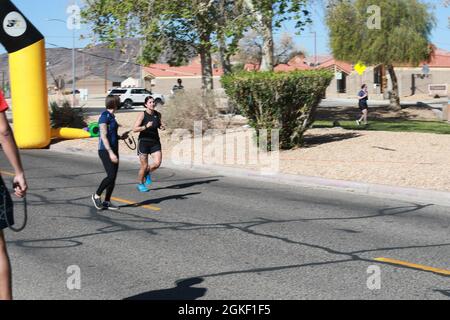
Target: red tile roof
(293, 67)
(280, 68)
(300, 63)
(251, 67)
(340, 65)
(191, 70)
(311, 60)
(441, 59)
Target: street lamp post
(141, 72)
(315, 48)
(73, 67)
(73, 60)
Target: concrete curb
(384, 191)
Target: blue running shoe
(142, 188)
(148, 179)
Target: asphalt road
(199, 236)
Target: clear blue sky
(38, 11)
(57, 33)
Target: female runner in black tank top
(147, 125)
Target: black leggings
(111, 170)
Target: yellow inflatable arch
(27, 64)
(26, 48)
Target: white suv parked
(130, 97)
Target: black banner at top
(16, 31)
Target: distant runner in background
(363, 96)
(178, 87)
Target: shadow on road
(182, 291)
(95, 185)
(159, 200)
(186, 185)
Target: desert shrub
(186, 107)
(64, 116)
(279, 100)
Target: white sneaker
(97, 202)
(358, 122)
(107, 205)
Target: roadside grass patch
(394, 126)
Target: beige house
(94, 84)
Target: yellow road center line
(414, 266)
(115, 199)
(131, 202)
(7, 173)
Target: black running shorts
(146, 147)
(363, 106)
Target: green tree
(233, 20)
(173, 27)
(381, 32)
(269, 15)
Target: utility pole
(141, 71)
(84, 68)
(315, 48)
(73, 65)
(73, 27)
